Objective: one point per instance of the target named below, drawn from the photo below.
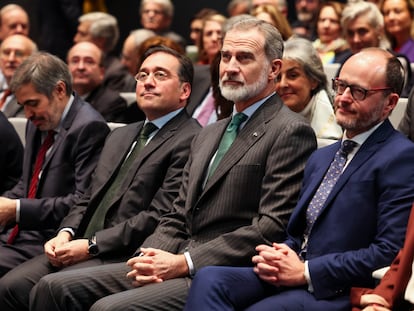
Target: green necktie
(228, 137)
(97, 221)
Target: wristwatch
(93, 247)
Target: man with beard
(224, 208)
(351, 216)
(306, 15)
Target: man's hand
(51, 245)
(7, 211)
(279, 265)
(373, 302)
(72, 252)
(155, 266)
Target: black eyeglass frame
(355, 89)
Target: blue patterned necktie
(325, 188)
(328, 182)
(228, 137)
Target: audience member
(303, 87)
(363, 27)
(306, 18)
(211, 38)
(202, 106)
(196, 26)
(395, 291)
(157, 15)
(239, 7)
(270, 14)
(57, 21)
(64, 137)
(280, 5)
(102, 29)
(330, 42)
(11, 155)
(130, 50)
(398, 20)
(350, 219)
(406, 125)
(85, 64)
(13, 20)
(145, 190)
(13, 51)
(211, 224)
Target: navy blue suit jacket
(363, 222)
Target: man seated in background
(13, 51)
(85, 64)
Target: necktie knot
(348, 146)
(147, 130)
(237, 119)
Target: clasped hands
(155, 266)
(62, 251)
(279, 265)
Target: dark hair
(394, 76)
(186, 70)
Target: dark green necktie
(228, 137)
(97, 221)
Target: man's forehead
(243, 41)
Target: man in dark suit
(146, 192)
(64, 137)
(11, 155)
(13, 51)
(225, 207)
(85, 64)
(342, 228)
(102, 29)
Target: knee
(208, 278)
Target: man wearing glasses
(352, 213)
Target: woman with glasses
(302, 85)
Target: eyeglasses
(159, 76)
(357, 92)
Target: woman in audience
(398, 20)
(302, 85)
(269, 13)
(211, 38)
(330, 42)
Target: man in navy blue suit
(334, 242)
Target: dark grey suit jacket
(66, 173)
(249, 198)
(146, 193)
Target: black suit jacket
(146, 193)
(11, 155)
(66, 173)
(108, 103)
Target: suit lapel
(368, 148)
(252, 132)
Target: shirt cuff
(190, 264)
(67, 229)
(17, 211)
(307, 277)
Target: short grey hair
(302, 51)
(103, 25)
(43, 71)
(273, 45)
(140, 35)
(168, 7)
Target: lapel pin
(255, 134)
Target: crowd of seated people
(255, 169)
